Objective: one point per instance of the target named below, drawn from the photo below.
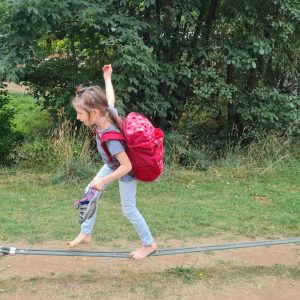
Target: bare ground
(251, 273)
(15, 88)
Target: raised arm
(109, 90)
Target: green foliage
(180, 150)
(6, 128)
(70, 154)
(65, 150)
(30, 120)
(66, 153)
(268, 150)
(31, 127)
(209, 70)
(270, 110)
(31, 154)
(187, 275)
(265, 153)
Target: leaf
(35, 10)
(254, 65)
(132, 89)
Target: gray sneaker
(87, 204)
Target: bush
(33, 153)
(6, 128)
(268, 151)
(30, 120)
(67, 153)
(71, 152)
(179, 150)
(263, 153)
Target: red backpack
(144, 146)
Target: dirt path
(251, 273)
(12, 87)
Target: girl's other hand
(97, 185)
(107, 71)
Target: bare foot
(81, 238)
(144, 251)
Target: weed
(71, 152)
(225, 272)
(187, 275)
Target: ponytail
(117, 120)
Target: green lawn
(183, 204)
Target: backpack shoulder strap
(112, 135)
(109, 136)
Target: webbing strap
(109, 136)
(160, 252)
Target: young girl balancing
(96, 109)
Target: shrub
(33, 153)
(30, 120)
(267, 151)
(67, 153)
(262, 154)
(72, 156)
(6, 134)
(179, 150)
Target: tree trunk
(211, 16)
(251, 81)
(235, 125)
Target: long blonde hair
(93, 97)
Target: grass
(226, 272)
(232, 199)
(254, 196)
(182, 205)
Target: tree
(203, 68)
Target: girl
(96, 109)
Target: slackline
(125, 254)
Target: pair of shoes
(87, 204)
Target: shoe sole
(86, 212)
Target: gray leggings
(128, 203)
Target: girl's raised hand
(107, 71)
